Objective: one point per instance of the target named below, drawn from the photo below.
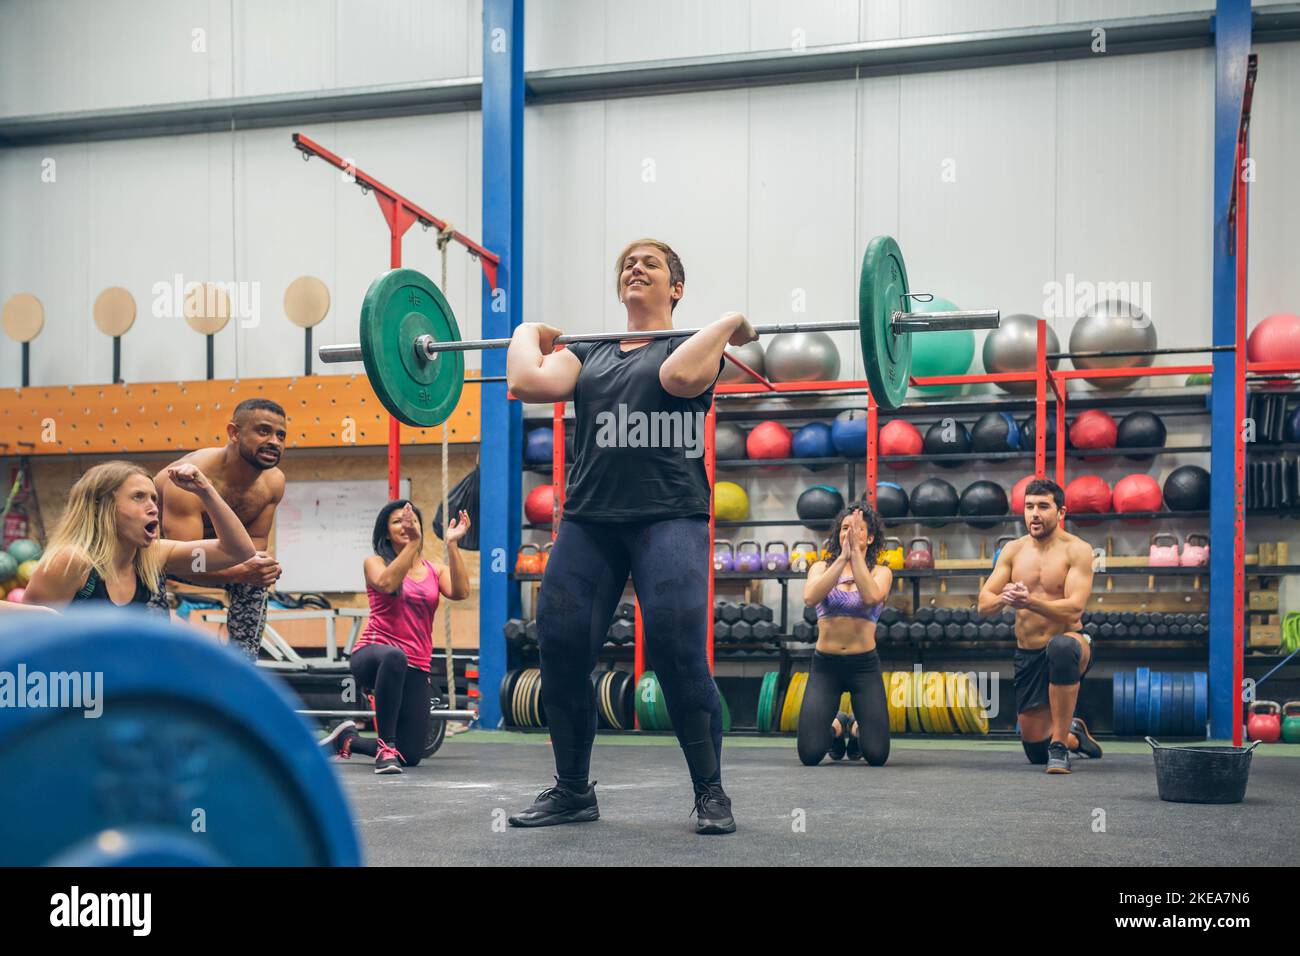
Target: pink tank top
(404, 619)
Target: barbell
(411, 345)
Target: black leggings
(581, 587)
(403, 695)
(831, 675)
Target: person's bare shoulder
(1079, 551)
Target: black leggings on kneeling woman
(830, 676)
(403, 695)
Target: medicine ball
(1188, 489)
(729, 442)
(1027, 431)
(891, 500)
(1018, 494)
(995, 432)
(538, 504)
(1137, 493)
(900, 438)
(1140, 430)
(730, 502)
(934, 497)
(1087, 494)
(849, 433)
(1094, 429)
(983, 498)
(1292, 434)
(1275, 339)
(538, 446)
(818, 506)
(768, 440)
(1197, 379)
(813, 441)
(947, 437)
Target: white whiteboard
(323, 532)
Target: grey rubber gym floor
(936, 802)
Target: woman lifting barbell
(638, 503)
(849, 592)
(107, 548)
(393, 654)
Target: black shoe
(838, 744)
(1058, 758)
(712, 809)
(1088, 745)
(556, 805)
(339, 740)
(853, 749)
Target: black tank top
(96, 590)
(638, 452)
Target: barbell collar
(903, 322)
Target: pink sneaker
(387, 759)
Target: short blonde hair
(88, 528)
(676, 271)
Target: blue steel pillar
(501, 450)
(1232, 29)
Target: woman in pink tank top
(393, 653)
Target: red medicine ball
(1087, 494)
(1094, 429)
(538, 504)
(1137, 493)
(900, 438)
(768, 440)
(1018, 495)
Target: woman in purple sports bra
(849, 592)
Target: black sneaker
(838, 744)
(556, 805)
(712, 809)
(1088, 745)
(853, 749)
(339, 740)
(1058, 758)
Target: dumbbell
(898, 631)
(530, 632)
(934, 631)
(626, 612)
(624, 632)
(916, 630)
(969, 631)
(514, 630)
(924, 614)
(1105, 630)
(753, 613)
(766, 630)
(943, 616)
(810, 615)
(987, 631)
(960, 615)
(1003, 631)
(888, 615)
(1009, 617)
(1141, 618)
(805, 632)
(721, 632)
(730, 612)
(1200, 630)
(742, 631)
(1127, 618)
(1148, 630)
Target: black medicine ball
(983, 498)
(947, 437)
(1027, 431)
(1140, 430)
(995, 432)
(891, 500)
(818, 506)
(1188, 489)
(934, 497)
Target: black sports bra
(96, 590)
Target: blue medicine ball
(538, 446)
(813, 441)
(850, 435)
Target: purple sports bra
(842, 603)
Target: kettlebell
(544, 557)
(776, 557)
(1291, 721)
(919, 557)
(891, 554)
(1163, 556)
(1265, 722)
(803, 555)
(749, 557)
(997, 548)
(526, 562)
(1195, 555)
(724, 556)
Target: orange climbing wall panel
(324, 411)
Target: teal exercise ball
(941, 353)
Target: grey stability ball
(751, 353)
(1013, 347)
(1113, 326)
(728, 442)
(802, 357)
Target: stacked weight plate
(652, 711)
(1160, 703)
(614, 700)
(521, 698)
(920, 702)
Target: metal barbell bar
(427, 347)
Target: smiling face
(650, 277)
(137, 517)
(1041, 515)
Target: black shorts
(1031, 676)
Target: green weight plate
(766, 691)
(886, 357)
(399, 306)
(645, 695)
(662, 720)
(1201, 684)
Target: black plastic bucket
(1202, 774)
